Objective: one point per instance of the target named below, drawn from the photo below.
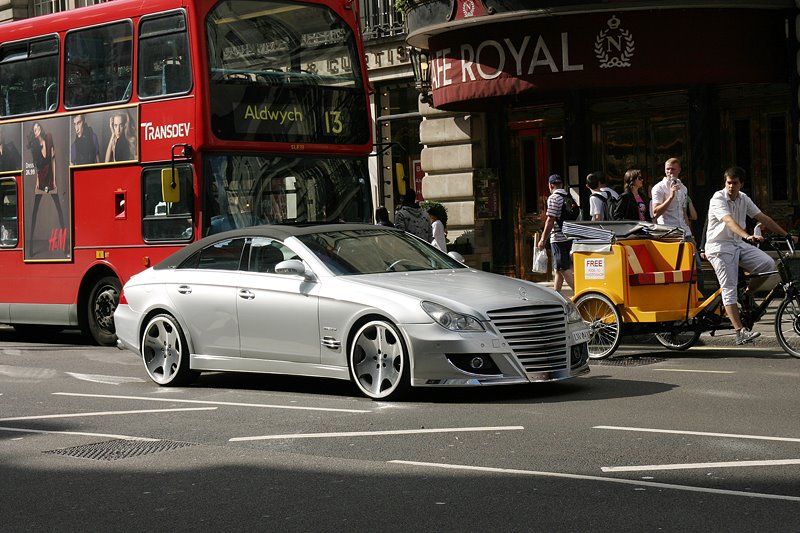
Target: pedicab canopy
(598, 236)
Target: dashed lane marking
(204, 402)
(375, 433)
(106, 413)
(689, 466)
(601, 479)
(700, 433)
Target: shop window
(743, 146)
(777, 136)
(9, 229)
(529, 150)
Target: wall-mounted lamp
(420, 63)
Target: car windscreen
(371, 251)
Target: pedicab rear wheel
(678, 340)
(604, 324)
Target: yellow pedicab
(634, 278)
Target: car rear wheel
(379, 361)
(165, 352)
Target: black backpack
(569, 208)
(609, 204)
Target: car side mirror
(294, 267)
(457, 256)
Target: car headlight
(451, 320)
(573, 315)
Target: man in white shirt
(726, 248)
(669, 208)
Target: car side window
(222, 255)
(264, 254)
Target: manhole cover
(119, 449)
(627, 361)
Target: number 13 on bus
(129, 129)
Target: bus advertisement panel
(129, 129)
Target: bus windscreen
(284, 72)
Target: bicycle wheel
(678, 339)
(604, 324)
(787, 325)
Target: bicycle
(787, 317)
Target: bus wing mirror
(170, 186)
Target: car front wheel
(379, 361)
(165, 352)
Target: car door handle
(247, 295)
(185, 289)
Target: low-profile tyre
(102, 302)
(604, 324)
(678, 340)
(787, 325)
(378, 361)
(165, 352)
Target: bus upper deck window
(164, 62)
(29, 76)
(99, 65)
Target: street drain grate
(119, 449)
(627, 361)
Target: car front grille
(536, 334)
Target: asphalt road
(652, 440)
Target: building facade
(522, 89)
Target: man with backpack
(601, 203)
(560, 206)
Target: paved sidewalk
(765, 326)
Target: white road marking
(694, 371)
(82, 433)
(375, 433)
(235, 404)
(106, 380)
(700, 433)
(687, 466)
(106, 413)
(637, 483)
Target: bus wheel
(102, 302)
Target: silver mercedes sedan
(365, 303)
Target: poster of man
(10, 157)
(84, 145)
(47, 211)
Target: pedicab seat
(642, 269)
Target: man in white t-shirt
(726, 248)
(668, 203)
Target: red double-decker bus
(131, 128)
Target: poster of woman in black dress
(47, 211)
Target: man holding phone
(669, 205)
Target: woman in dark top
(633, 203)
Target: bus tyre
(165, 352)
(102, 303)
(379, 361)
